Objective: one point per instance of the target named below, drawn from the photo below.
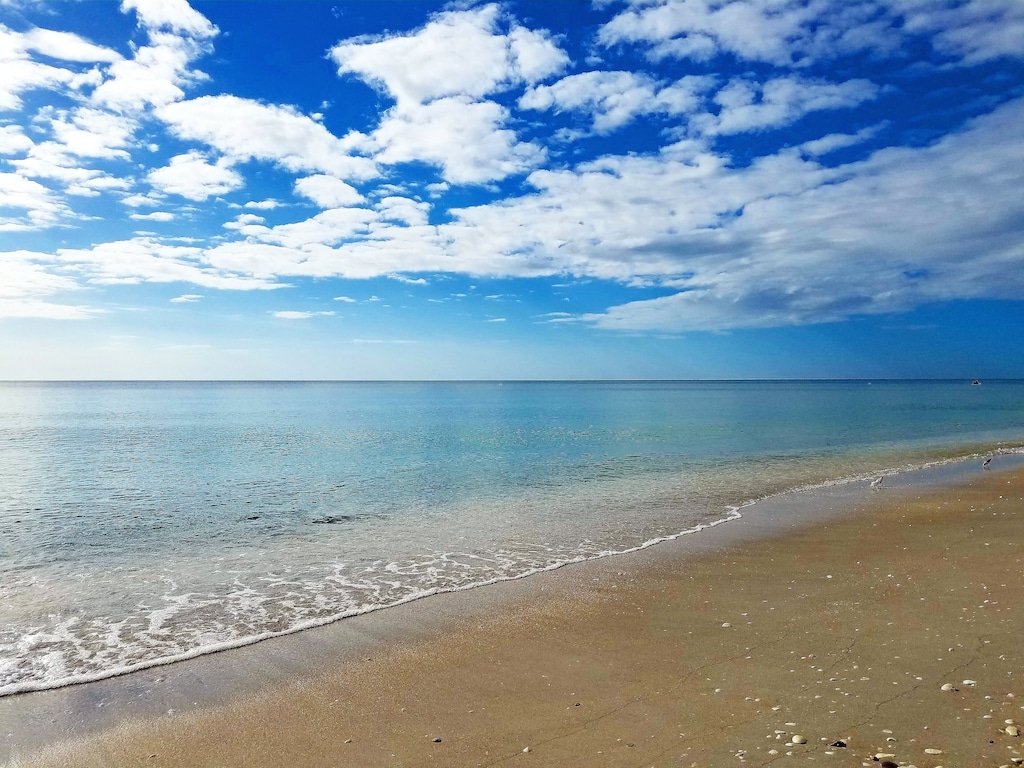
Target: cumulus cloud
(327, 191)
(26, 288)
(749, 106)
(797, 33)
(465, 138)
(613, 99)
(154, 216)
(173, 15)
(779, 236)
(779, 32)
(148, 260)
(157, 73)
(459, 53)
(67, 47)
(243, 129)
(192, 176)
(21, 72)
(439, 76)
(13, 140)
(968, 33)
(39, 207)
(896, 230)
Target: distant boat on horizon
(975, 383)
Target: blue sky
(648, 189)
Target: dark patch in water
(332, 519)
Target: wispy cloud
(289, 314)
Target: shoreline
(582, 604)
(927, 473)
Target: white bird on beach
(877, 481)
(986, 462)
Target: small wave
(58, 666)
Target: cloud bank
(743, 164)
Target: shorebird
(877, 481)
(986, 462)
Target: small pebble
(1012, 730)
(726, 625)
(526, 749)
(799, 739)
(970, 682)
(947, 687)
(933, 751)
(437, 741)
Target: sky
(524, 190)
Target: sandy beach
(828, 643)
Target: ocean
(146, 523)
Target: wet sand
(841, 631)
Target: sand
(843, 631)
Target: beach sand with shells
(825, 644)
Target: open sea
(144, 523)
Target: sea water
(144, 523)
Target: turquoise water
(151, 522)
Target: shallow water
(148, 522)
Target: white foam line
(732, 515)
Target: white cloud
(616, 98)
(21, 73)
(780, 32)
(346, 299)
(154, 216)
(191, 176)
(50, 160)
(243, 129)
(13, 140)
(798, 33)
(187, 298)
(263, 205)
(749, 106)
(463, 137)
(403, 211)
(245, 220)
(174, 15)
(26, 285)
(91, 133)
(147, 260)
(289, 314)
(969, 33)
(327, 191)
(41, 208)
(534, 55)
(834, 141)
(459, 53)
(407, 280)
(439, 77)
(899, 229)
(154, 77)
(67, 47)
